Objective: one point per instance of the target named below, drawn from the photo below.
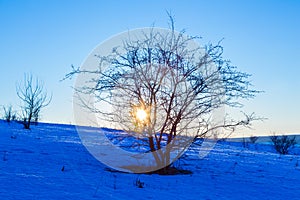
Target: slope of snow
(50, 162)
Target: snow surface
(50, 162)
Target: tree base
(171, 171)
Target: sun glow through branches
(141, 115)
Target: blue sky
(260, 37)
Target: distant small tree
(34, 98)
(253, 139)
(9, 114)
(283, 143)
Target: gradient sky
(260, 37)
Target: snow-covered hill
(49, 162)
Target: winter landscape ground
(50, 162)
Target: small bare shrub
(283, 143)
(138, 183)
(253, 139)
(9, 114)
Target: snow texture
(50, 162)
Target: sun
(141, 115)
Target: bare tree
(34, 97)
(165, 89)
(283, 143)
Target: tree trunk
(154, 152)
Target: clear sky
(260, 37)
